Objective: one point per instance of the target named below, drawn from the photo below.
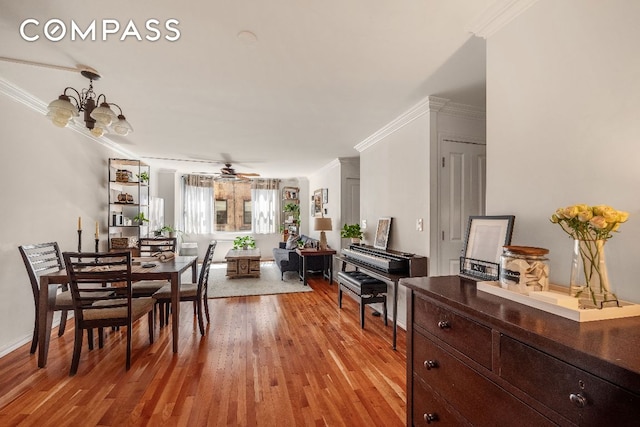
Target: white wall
(327, 177)
(563, 96)
(50, 177)
(399, 173)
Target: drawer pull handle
(444, 324)
(578, 399)
(429, 418)
(430, 364)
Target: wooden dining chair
(40, 259)
(89, 274)
(150, 247)
(196, 292)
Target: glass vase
(589, 279)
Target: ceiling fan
(228, 172)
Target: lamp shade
(122, 126)
(322, 224)
(103, 114)
(61, 110)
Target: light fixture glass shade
(121, 126)
(98, 130)
(61, 108)
(103, 114)
(59, 121)
(322, 224)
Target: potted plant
(166, 230)
(244, 242)
(352, 231)
(294, 210)
(143, 176)
(140, 218)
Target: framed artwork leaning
(382, 233)
(485, 237)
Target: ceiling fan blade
(247, 174)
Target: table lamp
(322, 224)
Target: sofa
(287, 259)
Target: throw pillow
(292, 242)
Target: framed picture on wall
(317, 203)
(325, 195)
(382, 233)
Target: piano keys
(388, 261)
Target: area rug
(268, 283)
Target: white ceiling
(321, 77)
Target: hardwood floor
(281, 360)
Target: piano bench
(365, 289)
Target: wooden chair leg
(90, 338)
(34, 340)
(77, 348)
(362, 314)
(384, 311)
(100, 338)
(129, 346)
(152, 321)
(206, 309)
(339, 296)
(199, 312)
(205, 301)
(63, 322)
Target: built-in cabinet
(290, 211)
(478, 359)
(128, 202)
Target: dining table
(171, 270)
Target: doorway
(462, 188)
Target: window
(221, 212)
(246, 218)
(214, 205)
(231, 199)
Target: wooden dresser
(477, 359)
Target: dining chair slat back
(150, 246)
(196, 292)
(102, 297)
(40, 259)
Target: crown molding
(431, 104)
(496, 16)
(39, 106)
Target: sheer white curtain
(198, 210)
(266, 205)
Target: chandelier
(99, 118)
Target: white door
(462, 180)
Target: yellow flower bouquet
(590, 227)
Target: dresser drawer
(577, 395)
(429, 408)
(254, 266)
(477, 399)
(467, 336)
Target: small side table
(327, 255)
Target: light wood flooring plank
(290, 360)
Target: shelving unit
(128, 198)
(289, 224)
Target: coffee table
(243, 263)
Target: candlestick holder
(97, 241)
(79, 240)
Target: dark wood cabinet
(478, 359)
